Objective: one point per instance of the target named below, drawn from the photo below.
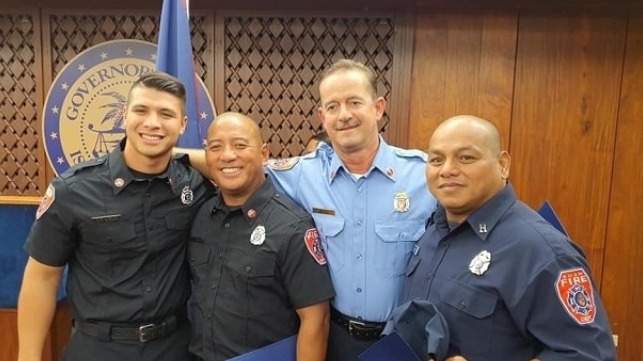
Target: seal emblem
(83, 112)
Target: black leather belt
(142, 333)
(360, 330)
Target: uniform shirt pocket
(110, 248)
(198, 256)
(330, 230)
(395, 241)
(177, 226)
(471, 311)
(102, 238)
(256, 284)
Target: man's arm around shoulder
(197, 159)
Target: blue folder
(284, 350)
(547, 211)
(390, 348)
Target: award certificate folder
(284, 350)
(390, 348)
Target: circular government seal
(83, 112)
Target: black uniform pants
(344, 347)
(173, 347)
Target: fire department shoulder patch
(283, 164)
(574, 289)
(47, 201)
(314, 246)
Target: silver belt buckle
(352, 324)
(142, 332)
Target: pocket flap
(182, 220)
(262, 266)
(198, 253)
(400, 231)
(470, 300)
(327, 226)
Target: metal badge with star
(480, 263)
(258, 236)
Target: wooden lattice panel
(272, 67)
(70, 34)
(19, 104)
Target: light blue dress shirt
(368, 226)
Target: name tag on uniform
(329, 212)
(110, 218)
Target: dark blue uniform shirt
(253, 266)
(123, 237)
(510, 286)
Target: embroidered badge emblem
(282, 164)
(47, 201)
(258, 236)
(574, 289)
(186, 195)
(480, 263)
(401, 203)
(313, 243)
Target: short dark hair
(162, 82)
(348, 65)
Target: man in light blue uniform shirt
(369, 202)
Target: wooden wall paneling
(564, 120)
(272, 62)
(219, 96)
(622, 270)
(202, 32)
(8, 330)
(463, 64)
(57, 336)
(47, 77)
(22, 170)
(400, 100)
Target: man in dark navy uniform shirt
(259, 270)
(510, 285)
(121, 224)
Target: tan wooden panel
(564, 121)
(463, 64)
(57, 336)
(621, 286)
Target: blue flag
(174, 56)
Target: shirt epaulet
(411, 153)
(84, 165)
(289, 205)
(183, 159)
